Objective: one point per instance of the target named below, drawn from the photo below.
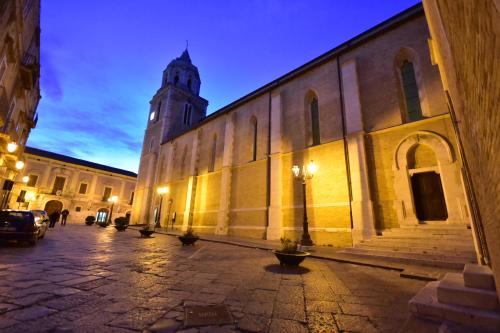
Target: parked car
(23, 225)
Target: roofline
(72, 160)
(391, 23)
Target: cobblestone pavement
(89, 279)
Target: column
(122, 191)
(74, 181)
(191, 190)
(93, 184)
(361, 203)
(275, 214)
(226, 175)
(46, 177)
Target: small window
(176, 78)
(187, 114)
(410, 89)
(21, 196)
(58, 185)
(211, 163)
(3, 68)
(254, 139)
(189, 83)
(107, 193)
(315, 121)
(152, 116)
(32, 180)
(83, 188)
(78, 209)
(131, 201)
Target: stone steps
(448, 261)
(452, 299)
(421, 248)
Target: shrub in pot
(121, 223)
(189, 237)
(146, 231)
(89, 220)
(289, 255)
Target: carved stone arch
(440, 146)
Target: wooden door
(428, 197)
(53, 205)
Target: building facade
(52, 181)
(19, 83)
(371, 114)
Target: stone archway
(443, 163)
(53, 205)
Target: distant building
(19, 83)
(57, 182)
(371, 113)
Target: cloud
(50, 83)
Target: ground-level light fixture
(113, 199)
(161, 190)
(303, 174)
(11, 147)
(26, 179)
(19, 165)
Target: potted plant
(146, 231)
(189, 237)
(288, 254)
(121, 223)
(89, 220)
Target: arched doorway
(102, 215)
(53, 205)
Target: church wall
(380, 148)
(327, 195)
(378, 62)
(321, 81)
(207, 201)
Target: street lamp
(19, 165)
(11, 147)
(26, 179)
(161, 191)
(113, 200)
(302, 175)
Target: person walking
(64, 215)
(54, 217)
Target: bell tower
(177, 104)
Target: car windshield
(6, 216)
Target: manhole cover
(198, 315)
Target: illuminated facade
(19, 82)
(52, 181)
(371, 113)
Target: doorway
(102, 215)
(428, 195)
(53, 205)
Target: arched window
(314, 121)
(176, 78)
(410, 90)
(253, 122)
(189, 83)
(211, 162)
(187, 114)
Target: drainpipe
(268, 164)
(344, 137)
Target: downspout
(268, 164)
(344, 138)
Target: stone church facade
(371, 114)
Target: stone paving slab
(88, 279)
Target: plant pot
(89, 223)
(146, 233)
(121, 227)
(291, 259)
(188, 240)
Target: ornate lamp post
(302, 175)
(161, 191)
(113, 200)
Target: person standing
(64, 215)
(54, 217)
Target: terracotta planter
(146, 233)
(291, 259)
(188, 240)
(121, 227)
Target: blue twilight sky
(102, 60)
